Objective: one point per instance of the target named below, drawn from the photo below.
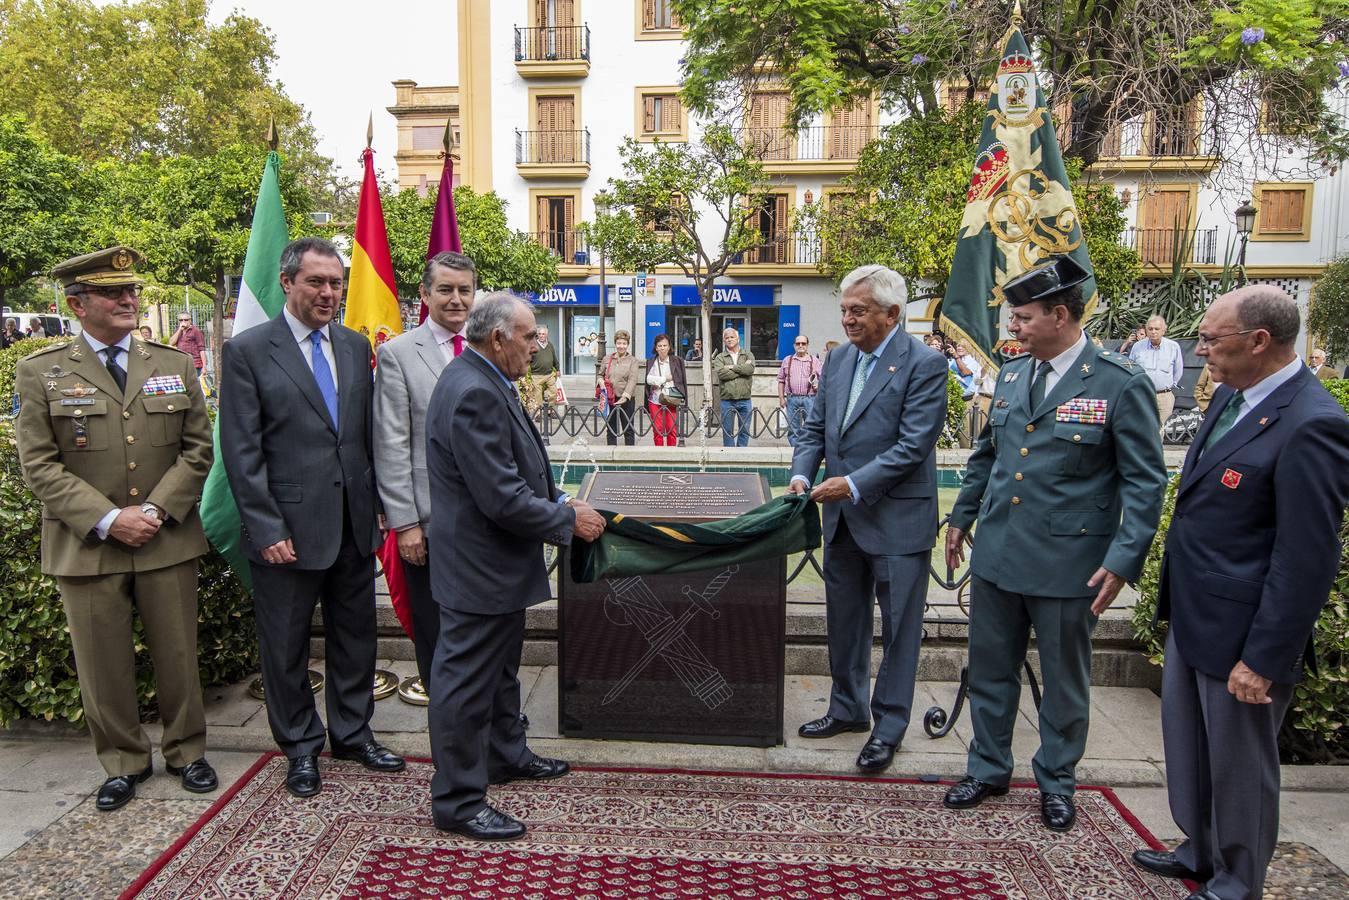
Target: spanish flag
(372, 297)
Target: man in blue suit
(880, 407)
(1250, 558)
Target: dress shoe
(969, 792)
(540, 768)
(875, 755)
(303, 778)
(117, 791)
(372, 756)
(828, 726)
(1057, 811)
(490, 825)
(524, 721)
(198, 777)
(1165, 864)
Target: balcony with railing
(819, 148)
(568, 245)
(1159, 246)
(1166, 143)
(553, 51)
(783, 247)
(553, 154)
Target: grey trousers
(854, 583)
(1222, 775)
(1000, 625)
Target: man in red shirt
(189, 339)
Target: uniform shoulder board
(156, 346)
(45, 350)
(1120, 360)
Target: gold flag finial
(370, 131)
(448, 140)
(273, 136)
(1016, 13)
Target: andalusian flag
(372, 297)
(260, 298)
(1019, 208)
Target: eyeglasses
(1209, 340)
(800, 343)
(114, 292)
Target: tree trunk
(706, 290)
(221, 299)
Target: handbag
(607, 387)
(672, 397)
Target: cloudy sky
(339, 59)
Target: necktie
(1037, 387)
(1226, 419)
(859, 381)
(117, 372)
(458, 345)
(322, 374)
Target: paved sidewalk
(53, 843)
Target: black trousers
(622, 418)
(476, 734)
(425, 617)
(283, 607)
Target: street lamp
(602, 203)
(1245, 215)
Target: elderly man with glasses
(798, 381)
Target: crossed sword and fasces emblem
(633, 603)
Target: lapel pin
(891, 369)
(1264, 420)
(1231, 479)
(1086, 369)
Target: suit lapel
(428, 350)
(350, 361)
(841, 383)
(139, 369)
(290, 359)
(1257, 421)
(1221, 397)
(882, 370)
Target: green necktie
(1226, 419)
(1037, 387)
(859, 381)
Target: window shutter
(671, 113)
(648, 15)
(780, 242)
(1281, 210)
(569, 226)
(1159, 213)
(648, 114)
(541, 213)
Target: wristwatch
(151, 510)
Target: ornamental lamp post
(602, 203)
(1245, 216)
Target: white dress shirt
(100, 348)
(1253, 395)
(1165, 364)
(1059, 365)
(444, 338)
(302, 332)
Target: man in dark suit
(295, 433)
(1250, 558)
(493, 505)
(875, 421)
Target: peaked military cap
(111, 266)
(1040, 283)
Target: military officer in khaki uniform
(1066, 483)
(115, 441)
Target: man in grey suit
(880, 407)
(295, 434)
(493, 505)
(408, 369)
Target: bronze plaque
(690, 657)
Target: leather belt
(1165, 390)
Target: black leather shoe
(1057, 811)
(828, 726)
(524, 721)
(117, 791)
(969, 792)
(490, 825)
(372, 756)
(302, 779)
(540, 768)
(198, 777)
(1165, 864)
(875, 755)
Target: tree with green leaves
(1107, 63)
(1328, 318)
(691, 205)
(505, 259)
(904, 202)
(147, 77)
(41, 214)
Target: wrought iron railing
(546, 44)
(1159, 245)
(784, 246)
(816, 143)
(567, 245)
(565, 147)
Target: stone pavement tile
(538, 694)
(24, 814)
(67, 767)
(89, 854)
(1131, 724)
(231, 705)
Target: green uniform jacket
(1072, 486)
(735, 374)
(85, 450)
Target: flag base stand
(386, 684)
(255, 689)
(413, 691)
(937, 722)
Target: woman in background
(664, 370)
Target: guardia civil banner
(260, 298)
(1019, 208)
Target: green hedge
(37, 666)
(1313, 731)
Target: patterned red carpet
(641, 833)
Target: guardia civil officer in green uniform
(1066, 484)
(115, 441)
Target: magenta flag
(444, 223)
